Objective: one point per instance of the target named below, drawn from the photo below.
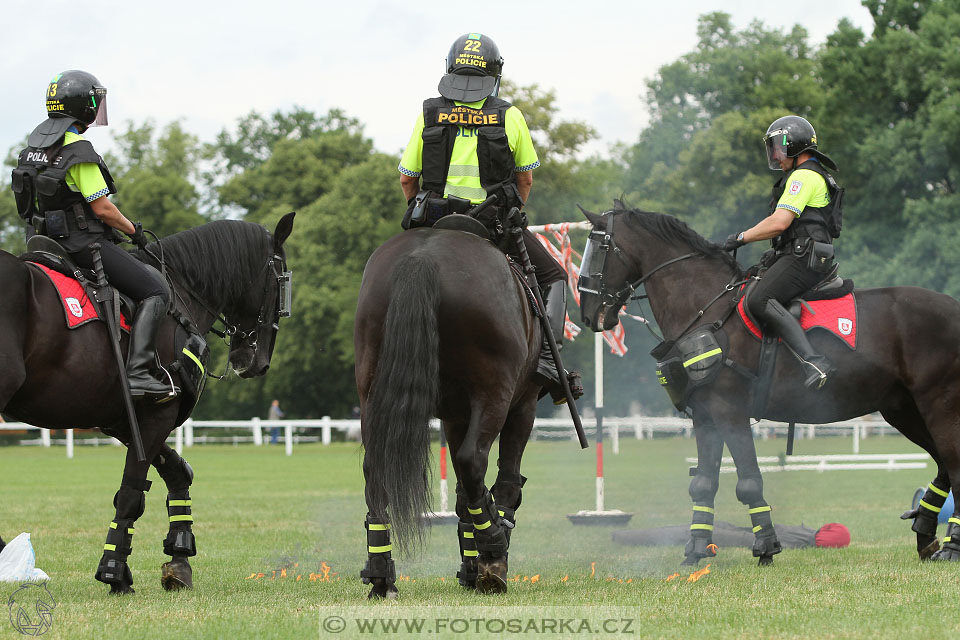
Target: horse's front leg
(129, 503)
(703, 488)
(739, 439)
(180, 543)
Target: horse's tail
(402, 400)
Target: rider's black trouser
(124, 272)
(786, 279)
(548, 269)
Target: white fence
(295, 431)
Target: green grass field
(299, 522)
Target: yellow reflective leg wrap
(702, 523)
(180, 540)
(933, 498)
(379, 560)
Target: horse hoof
(121, 589)
(383, 591)
(930, 550)
(765, 561)
(491, 583)
(176, 575)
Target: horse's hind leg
(703, 488)
(180, 543)
(470, 463)
(466, 537)
(379, 571)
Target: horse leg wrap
(750, 490)
(113, 567)
(468, 555)
(926, 513)
(379, 561)
(766, 543)
(489, 527)
(180, 540)
(703, 488)
(700, 544)
(129, 502)
(951, 540)
(176, 473)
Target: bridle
(595, 284)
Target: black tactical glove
(733, 242)
(137, 236)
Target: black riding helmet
(790, 136)
(71, 96)
(474, 66)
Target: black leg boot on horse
(379, 570)
(925, 517)
(555, 304)
(140, 361)
(490, 533)
(766, 545)
(816, 366)
(180, 543)
(951, 540)
(129, 502)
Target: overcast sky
(208, 63)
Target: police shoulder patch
(795, 186)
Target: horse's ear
(284, 227)
(597, 221)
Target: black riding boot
(555, 304)
(140, 359)
(786, 326)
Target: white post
(856, 437)
(288, 438)
(178, 439)
(325, 430)
(70, 443)
(257, 433)
(45, 437)
(598, 373)
(188, 432)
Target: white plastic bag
(18, 561)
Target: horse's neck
(680, 291)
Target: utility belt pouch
(458, 205)
(435, 209)
(80, 217)
(39, 224)
(670, 373)
(820, 258)
(56, 224)
(416, 211)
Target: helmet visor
(99, 102)
(776, 144)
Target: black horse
(904, 366)
(443, 328)
(56, 378)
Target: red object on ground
(833, 534)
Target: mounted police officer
(469, 144)
(61, 186)
(805, 217)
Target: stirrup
(817, 377)
(576, 389)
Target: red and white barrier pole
(442, 516)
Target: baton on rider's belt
(517, 232)
(474, 211)
(112, 328)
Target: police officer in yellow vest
(469, 144)
(61, 186)
(804, 219)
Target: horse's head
(604, 274)
(257, 316)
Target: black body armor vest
(823, 224)
(45, 201)
(442, 118)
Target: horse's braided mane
(675, 231)
(219, 259)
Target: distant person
(275, 413)
(830, 535)
(804, 219)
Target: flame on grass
(693, 577)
